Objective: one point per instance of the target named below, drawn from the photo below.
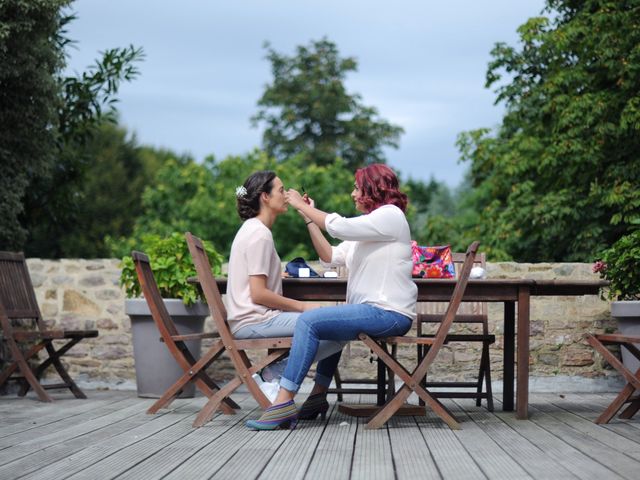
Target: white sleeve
(338, 255)
(383, 224)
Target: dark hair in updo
(249, 204)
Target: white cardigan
(377, 252)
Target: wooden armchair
(26, 334)
(599, 342)
(413, 379)
(277, 347)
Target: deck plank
(110, 436)
(411, 455)
(334, 451)
(489, 454)
(293, 458)
(557, 448)
(451, 457)
(182, 450)
(559, 425)
(96, 456)
(531, 457)
(32, 459)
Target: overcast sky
(421, 63)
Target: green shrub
(172, 266)
(620, 264)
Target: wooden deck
(110, 436)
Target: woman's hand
(311, 306)
(294, 198)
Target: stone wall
(85, 294)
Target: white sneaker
(270, 389)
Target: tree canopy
(559, 179)
(307, 110)
(190, 196)
(44, 117)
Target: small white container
(304, 273)
(478, 272)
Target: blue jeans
(283, 325)
(339, 323)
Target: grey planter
(156, 369)
(627, 314)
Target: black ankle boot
(314, 405)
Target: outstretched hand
(293, 198)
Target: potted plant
(156, 370)
(620, 265)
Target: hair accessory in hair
(241, 191)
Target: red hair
(379, 186)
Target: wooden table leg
(522, 388)
(509, 355)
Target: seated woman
(255, 305)
(381, 296)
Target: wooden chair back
(454, 304)
(194, 369)
(209, 288)
(412, 380)
(16, 290)
(469, 312)
(152, 295)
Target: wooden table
(514, 293)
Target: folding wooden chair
(633, 380)
(194, 370)
(412, 380)
(470, 315)
(236, 349)
(26, 335)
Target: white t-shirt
(252, 253)
(377, 252)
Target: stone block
(37, 279)
(92, 281)
(551, 359)
(62, 280)
(459, 357)
(115, 308)
(107, 294)
(78, 303)
(536, 327)
(72, 268)
(577, 357)
(564, 269)
(106, 324)
(110, 352)
(49, 309)
(117, 339)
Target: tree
(111, 191)
(44, 118)
(189, 196)
(307, 110)
(30, 56)
(559, 180)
